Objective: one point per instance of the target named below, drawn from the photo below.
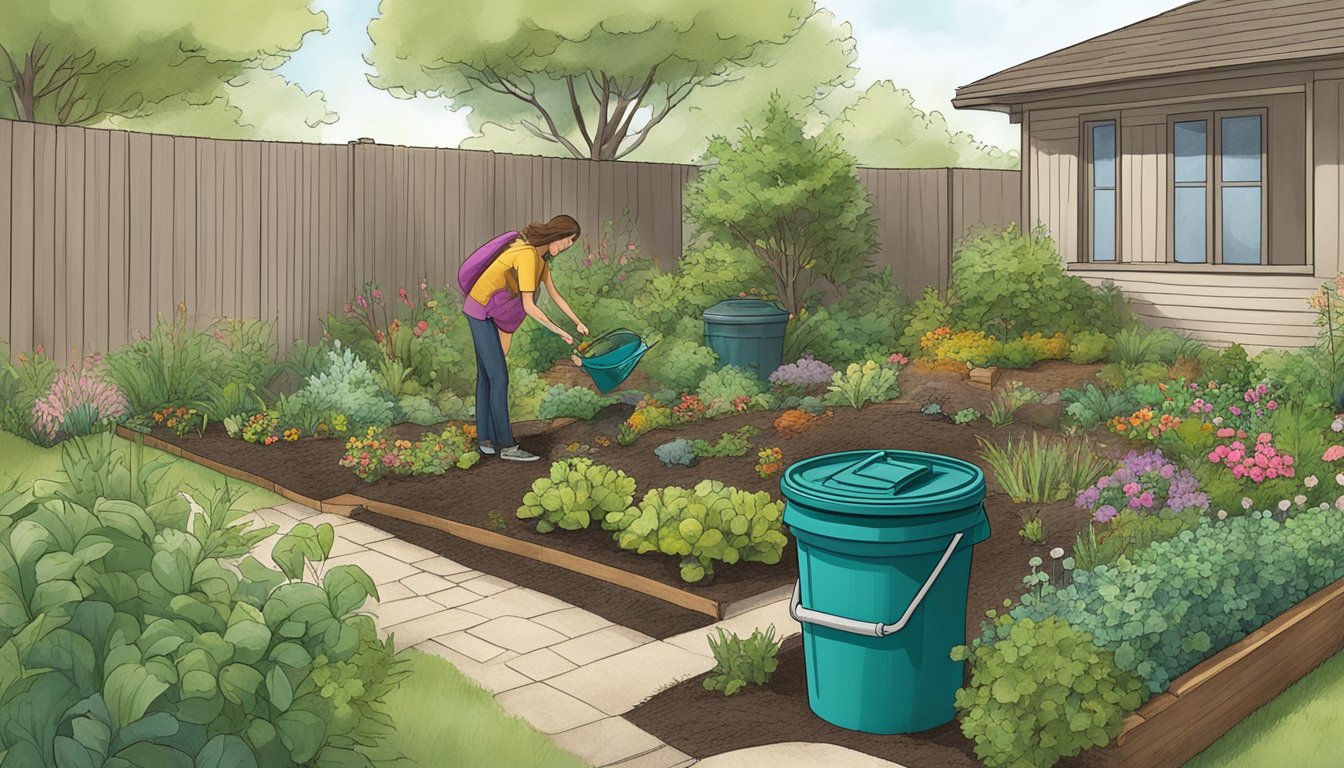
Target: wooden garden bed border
(345, 504)
(1205, 703)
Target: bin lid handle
(867, 628)
(880, 473)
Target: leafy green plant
(1127, 533)
(931, 409)
(677, 453)
(1043, 471)
(526, 391)
(859, 384)
(739, 662)
(1005, 404)
(966, 416)
(419, 410)
(1091, 406)
(394, 376)
(1033, 529)
(1010, 280)
(168, 367)
(728, 384)
(348, 386)
(927, 314)
(711, 522)
(1174, 603)
(680, 364)
(865, 322)
(574, 493)
(1041, 690)
(22, 382)
(815, 223)
(581, 403)
(1136, 344)
(1089, 347)
(733, 443)
(134, 641)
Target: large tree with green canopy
(577, 74)
(83, 62)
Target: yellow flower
(431, 303)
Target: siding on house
(1257, 307)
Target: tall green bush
(794, 201)
(1013, 282)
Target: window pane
(1103, 155)
(1191, 235)
(1103, 225)
(1241, 225)
(1192, 147)
(1241, 148)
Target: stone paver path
(568, 672)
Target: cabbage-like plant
(574, 493)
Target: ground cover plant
(740, 662)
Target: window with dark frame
(1102, 175)
(1217, 210)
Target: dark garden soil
(703, 723)
(487, 495)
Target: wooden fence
(102, 231)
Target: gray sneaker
(514, 453)
(486, 449)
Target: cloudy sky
(929, 48)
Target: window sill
(1227, 269)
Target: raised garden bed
(477, 506)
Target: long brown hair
(558, 228)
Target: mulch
(489, 493)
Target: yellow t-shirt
(518, 270)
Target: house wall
(1259, 306)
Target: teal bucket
(609, 359)
(884, 559)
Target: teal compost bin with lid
(747, 333)
(884, 557)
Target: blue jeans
(492, 385)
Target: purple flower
(1106, 512)
(1234, 410)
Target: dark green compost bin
(884, 559)
(747, 333)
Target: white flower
(1337, 425)
(1299, 500)
(1340, 478)
(1284, 505)
(1310, 481)
(1246, 500)
(1339, 503)
(1057, 553)
(1325, 505)
(1222, 514)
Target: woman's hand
(564, 335)
(583, 329)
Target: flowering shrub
(970, 347)
(181, 420)
(261, 426)
(1260, 463)
(806, 376)
(1143, 424)
(768, 462)
(374, 454)
(1147, 481)
(79, 402)
(690, 408)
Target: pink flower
(1272, 405)
(1226, 432)
(630, 246)
(377, 294)
(898, 359)
(1333, 453)
(587, 262)
(621, 277)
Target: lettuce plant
(711, 522)
(561, 402)
(574, 492)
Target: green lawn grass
(444, 718)
(25, 462)
(1299, 728)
